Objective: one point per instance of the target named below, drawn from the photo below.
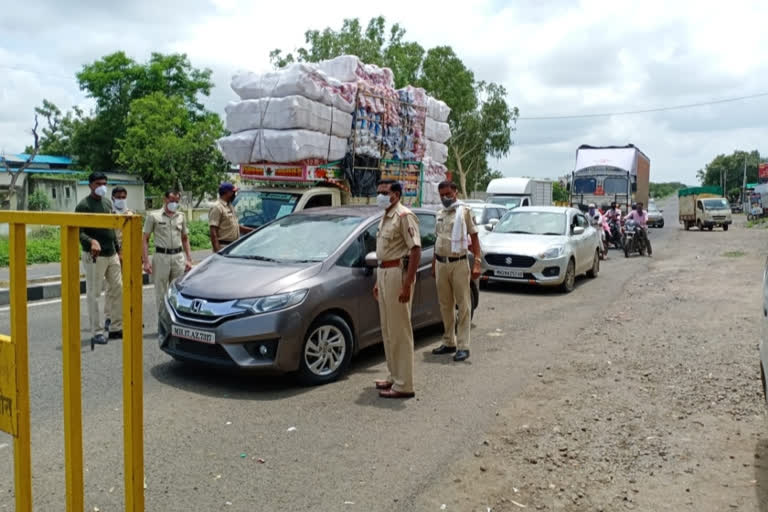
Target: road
(206, 432)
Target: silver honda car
(294, 296)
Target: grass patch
(758, 223)
(44, 246)
(734, 254)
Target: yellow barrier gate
(14, 354)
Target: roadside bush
(198, 235)
(38, 201)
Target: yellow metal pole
(22, 452)
(133, 407)
(70, 346)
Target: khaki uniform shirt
(445, 220)
(223, 216)
(398, 234)
(167, 229)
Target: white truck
(514, 192)
(704, 207)
(271, 191)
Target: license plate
(508, 273)
(193, 334)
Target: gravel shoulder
(654, 406)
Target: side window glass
(492, 213)
(581, 221)
(354, 255)
(369, 238)
(427, 230)
(319, 201)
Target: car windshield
(715, 204)
(532, 223)
(506, 202)
(652, 208)
(255, 208)
(297, 239)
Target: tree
(731, 167)
(481, 120)
(38, 201)
(662, 190)
(169, 147)
(56, 138)
(11, 203)
(115, 82)
(559, 193)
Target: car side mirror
(371, 261)
(578, 230)
(661, 210)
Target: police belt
(443, 259)
(163, 250)
(394, 263)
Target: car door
(583, 250)
(352, 263)
(426, 309)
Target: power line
(645, 111)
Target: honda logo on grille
(508, 261)
(197, 305)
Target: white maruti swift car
(541, 245)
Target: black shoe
(99, 339)
(444, 349)
(116, 335)
(461, 355)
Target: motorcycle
(634, 239)
(615, 235)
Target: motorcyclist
(641, 219)
(614, 213)
(596, 221)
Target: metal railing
(14, 355)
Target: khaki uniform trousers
(453, 290)
(106, 270)
(166, 268)
(396, 329)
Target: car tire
(710, 228)
(328, 336)
(725, 227)
(661, 224)
(700, 225)
(595, 266)
(569, 282)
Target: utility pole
(744, 184)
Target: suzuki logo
(508, 261)
(197, 305)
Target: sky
(556, 58)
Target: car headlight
(172, 293)
(273, 302)
(553, 253)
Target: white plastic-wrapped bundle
(281, 146)
(296, 80)
(289, 113)
(437, 109)
(437, 131)
(434, 172)
(349, 68)
(437, 152)
(430, 195)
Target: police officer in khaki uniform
(450, 266)
(398, 249)
(222, 219)
(173, 256)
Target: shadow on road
(761, 474)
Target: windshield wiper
(257, 258)
(552, 234)
(520, 232)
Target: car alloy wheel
(327, 350)
(595, 266)
(569, 283)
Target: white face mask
(172, 207)
(101, 191)
(119, 204)
(382, 201)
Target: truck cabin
(713, 204)
(510, 201)
(602, 184)
(256, 207)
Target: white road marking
(56, 301)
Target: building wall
(61, 193)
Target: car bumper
(708, 223)
(239, 341)
(542, 272)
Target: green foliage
(199, 235)
(481, 119)
(662, 190)
(38, 201)
(559, 193)
(168, 147)
(731, 166)
(114, 82)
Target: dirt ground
(657, 406)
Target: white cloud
(554, 57)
